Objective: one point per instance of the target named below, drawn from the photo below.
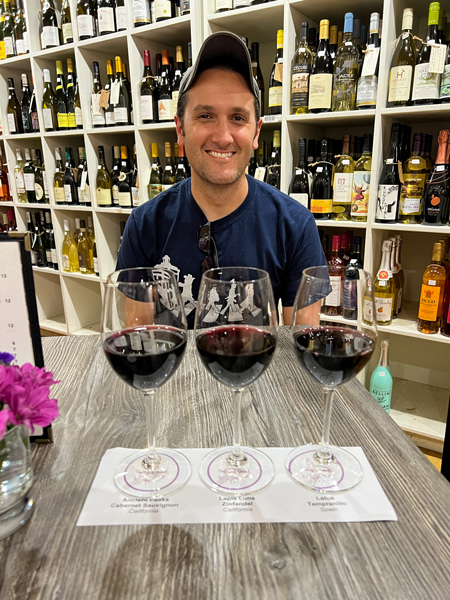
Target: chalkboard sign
(19, 321)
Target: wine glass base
(343, 472)
(228, 479)
(133, 478)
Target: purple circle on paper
(325, 487)
(139, 458)
(230, 488)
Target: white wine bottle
(361, 182)
(346, 70)
(321, 80)
(426, 85)
(384, 287)
(402, 65)
(276, 78)
(103, 180)
(343, 183)
(69, 251)
(366, 95)
(300, 72)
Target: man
(220, 216)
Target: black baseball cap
(222, 48)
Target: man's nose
(222, 132)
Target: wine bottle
(178, 76)
(185, 7)
(105, 15)
(357, 40)
(84, 194)
(25, 105)
(40, 186)
(103, 180)
(19, 178)
(15, 122)
(85, 20)
(366, 95)
(333, 302)
(321, 190)
(274, 166)
(389, 185)
(58, 179)
(437, 189)
(402, 64)
(426, 85)
(37, 244)
(345, 70)
(78, 113)
(333, 45)
(28, 174)
(115, 172)
(257, 74)
(343, 183)
(5, 193)
(127, 85)
(398, 292)
(69, 251)
(321, 79)
(2, 43)
(121, 98)
(125, 200)
(135, 196)
(361, 182)
(70, 184)
(47, 226)
(84, 250)
(164, 9)
(8, 30)
(165, 105)
(141, 13)
(381, 380)
(223, 5)
(121, 15)
(432, 293)
(20, 30)
(180, 170)
(276, 78)
(98, 112)
(62, 119)
(414, 176)
(70, 96)
(300, 72)
(168, 178)
(49, 26)
(384, 288)
(110, 120)
(300, 182)
(147, 91)
(66, 22)
(155, 182)
(49, 103)
(351, 277)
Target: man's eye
(204, 116)
(239, 118)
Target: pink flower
(25, 390)
(4, 418)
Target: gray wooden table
(52, 558)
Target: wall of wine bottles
(70, 301)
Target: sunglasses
(207, 245)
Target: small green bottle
(381, 380)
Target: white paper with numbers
(15, 336)
(284, 501)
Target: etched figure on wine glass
(236, 353)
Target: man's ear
(179, 130)
(256, 138)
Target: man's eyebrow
(209, 108)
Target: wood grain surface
(52, 558)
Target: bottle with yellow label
(276, 78)
(361, 182)
(432, 292)
(411, 192)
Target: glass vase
(16, 480)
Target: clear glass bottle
(366, 95)
(346, 70)
(402, 65)
(361, 182)
(321, 79)
(384, 287)
(300, 71)
(155, 182)
(343, 183)
(411, 193)
(69, 251)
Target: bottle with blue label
(381, 380)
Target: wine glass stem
(324, 454)
(152, 459)
(237, 455)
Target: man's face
(219, 129)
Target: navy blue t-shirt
(269, 230)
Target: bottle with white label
(343, 183)
(103, 180)
(121, 15)
(381, 379)
(299, 188)
(66, 20)
(402, 64)
(147, 95)
(366, 95)
(98, 112)
(70, 184)
(426, 85)
(29, 176)
(58, 179)
(164, 9)
(333, 302)
(223, 5)
(276, 78)
(49, 103)
(121, 97)
(384, 287)
(389, 185)
(105, 15)
(361, 182)
(414, 176)
(86, 17)
(141, 13)
(321, 79)
(19, 178)
(49, 26)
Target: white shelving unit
(71, 303)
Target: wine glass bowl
(144, 336)
(331, 352)
(235, 335)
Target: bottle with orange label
(321, 189)
(384, 288)
(432, 292)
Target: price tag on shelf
(437, 58)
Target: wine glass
(331, 352)
(144, 335)
(235, 335)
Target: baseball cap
(221, 49)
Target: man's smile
(219, 154)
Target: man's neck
(218, 201)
